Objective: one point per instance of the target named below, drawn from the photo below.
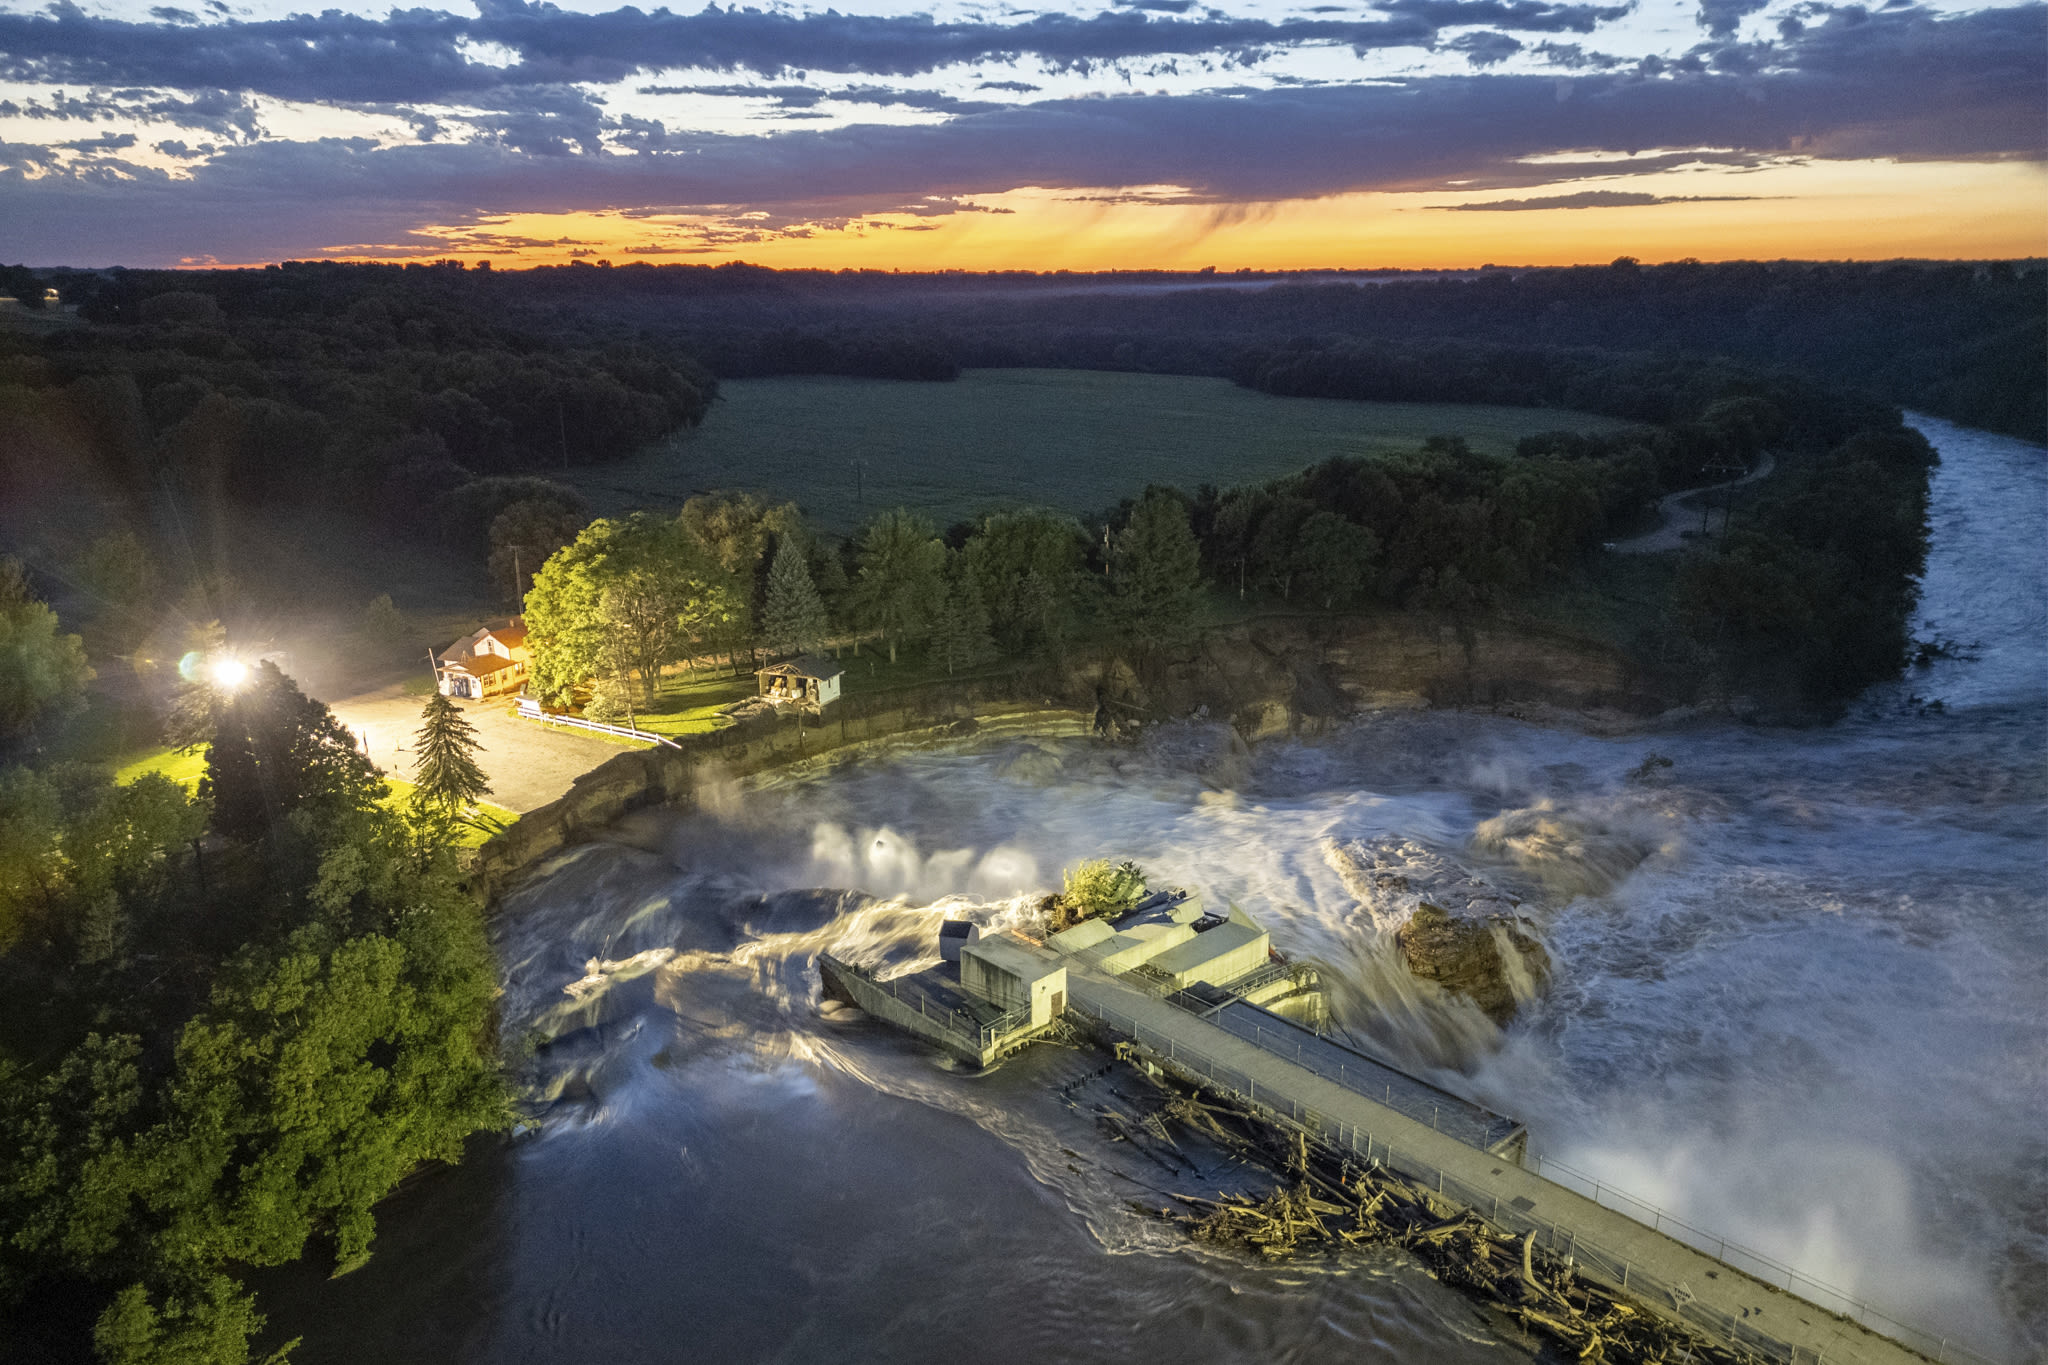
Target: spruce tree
(793, 621)
(960, 637)
(448, 776)
(1155, 570)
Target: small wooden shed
(808, 679)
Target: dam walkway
(1696, 1287)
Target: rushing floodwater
(1811, 1018)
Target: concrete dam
(1203, 1000)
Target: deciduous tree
(41, 668)
(638, 588)
(1031, 568)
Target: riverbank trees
(632, 594)
(223, 1038)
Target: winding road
(1670, 532)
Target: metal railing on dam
(1595, 1251)
(1404, 1094)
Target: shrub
(1095, 888)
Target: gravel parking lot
(528, 765)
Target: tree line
(1963, 340)
(391, 394)
(1809, 597)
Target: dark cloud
(215, 111)
(1573, 57)
(418, 56)
(105, 142)
(1720, 17)
(1596, 199)
(1904, 84)
(1485, 48)
(809, 96)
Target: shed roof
(804, 666)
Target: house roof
(804, 666)
(512, 635)
(478, 665)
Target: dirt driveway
(1675, 511)
(528, 765)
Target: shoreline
(1291, 677)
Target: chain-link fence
(1589, 1255)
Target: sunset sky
(1141, 133)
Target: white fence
(531, 709)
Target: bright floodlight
(229, 674)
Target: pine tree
(793, 621)
(1155, 570)
(960, 636)
(901, 577)
(448, 775)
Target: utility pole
(860, 471)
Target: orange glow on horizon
(1818, 210)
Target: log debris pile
(1330, 1202)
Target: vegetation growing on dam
(230, 1023)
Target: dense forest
(389, 394)
(1966, 341)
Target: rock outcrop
(1453, 929)
(1491, 961)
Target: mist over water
(1797, 998)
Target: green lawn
(186, 770)
(689, 703)
(1078, 440)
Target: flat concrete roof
(1206, 947)
(1011, 955)
(1086, 934)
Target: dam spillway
(1447, 1152)
(1007, 991)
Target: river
(1798, 998)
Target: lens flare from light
(229, 674)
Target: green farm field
(1076, 440)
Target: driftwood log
(1325, 1202)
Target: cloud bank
(508, 111)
